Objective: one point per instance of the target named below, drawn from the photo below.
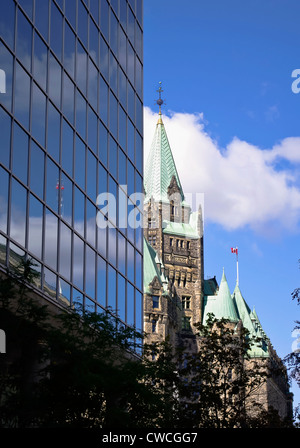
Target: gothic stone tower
(173, 258)
(175, 293)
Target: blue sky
(233, 124)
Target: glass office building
(72, 129)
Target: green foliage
(292, 360)
(76, 368)
(64, 368)
(296, 292)
(221, 377)
(162, 377)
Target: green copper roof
(188, 230)
(210, 286)
(242, 309)
(255, 318)
(249, 319)
(221, 305)
(235, 308)
(160, 167)
(151, 269)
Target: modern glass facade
(71, 129)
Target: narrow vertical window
(155, 301)
(154, 326)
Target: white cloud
(288, 149)
(242, 183)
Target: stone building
(173, 249)
(176, 295)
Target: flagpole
(237, 267)
(235, 250)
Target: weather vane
(160, 101)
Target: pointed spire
(223, 279)
(227, 309)
(222, 305)
(160, 167)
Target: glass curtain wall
(72, 129)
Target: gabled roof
(151, 269)
(160, 167)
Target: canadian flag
(234, 250)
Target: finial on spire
(160, 101)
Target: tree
(78, 368)
(293, 359)
(64, 368)
(25, 324)
(162, 377)
(223, 383)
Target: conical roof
(221, 304)
(235, 308)
(225, 301)
(160, 167)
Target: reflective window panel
(71, 99)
